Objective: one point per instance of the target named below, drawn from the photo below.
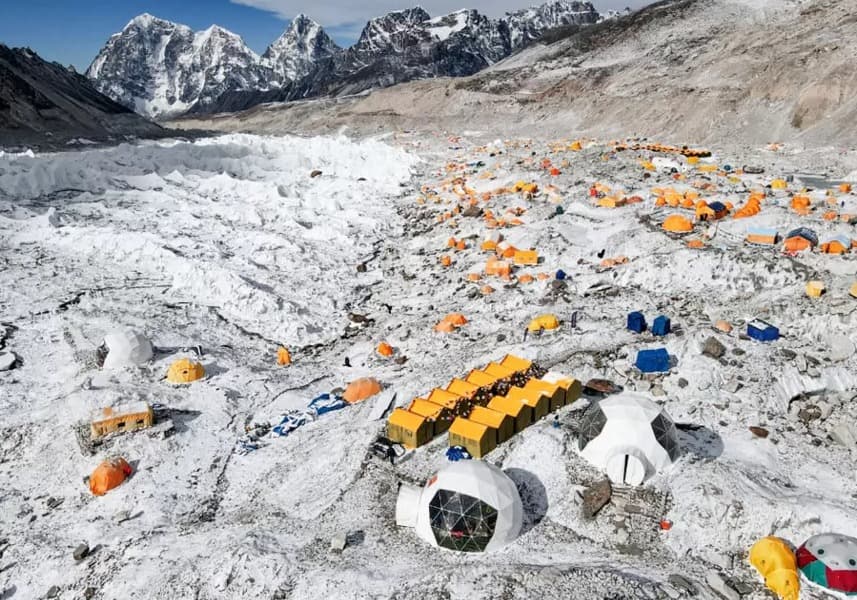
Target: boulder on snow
(315, 173)
(713, 348)
(471, 211)
(718, 583)
(759, 432)
(595, 497)
(81, 551)
(7, 361)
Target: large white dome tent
(124, 348)
(629, 437)
(468, 506)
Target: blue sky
(73, 31)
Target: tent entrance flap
(627, 469)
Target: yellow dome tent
(677, 224)
(185, 370)
(814, 289)
(541, 322)
(779, 184)
(776, 562)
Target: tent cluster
(485, 408)
(666, 149)
(827, 560)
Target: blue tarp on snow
(290, 422)
(653, 361)
(326, 403)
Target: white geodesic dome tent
(125, 348)
(628, 436)
(469, 506)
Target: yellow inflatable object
(776, 562)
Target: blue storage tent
(636, 322)
(661, 325)
(762, 331)
(653, 361)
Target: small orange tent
(836, 245)
(108, 475)
(801, 203)
(498, 268)
(284, 357)
(677, 224)
(385, 349)
(360, 389)
(748, 210)
(797, 244)
(451, 322)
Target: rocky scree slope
(46, 105)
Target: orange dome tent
(677, 224)
(836, 245)
(360, 389)
(801, 203)
(451, 322)
(108, 475)
(748, 210)
(385, 349)
(284, 357)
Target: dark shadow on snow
(534, 497)
(699, 441)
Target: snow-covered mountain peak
(160, 68)
(302, 45)
(148, 21)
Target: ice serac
(302, 46)
(159, 68)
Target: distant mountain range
(46, 105)
(162, 69)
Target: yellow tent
(185, 370)
(526, 257)
(521, 414)
(776, 562)
(409, 429)
(547, 321)
(814, 289)
(538, 401)
(779, 184)
(677, 224)
(556, 395)
(516, 363)
(853, 290)
(502, 424)
(476, 438)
